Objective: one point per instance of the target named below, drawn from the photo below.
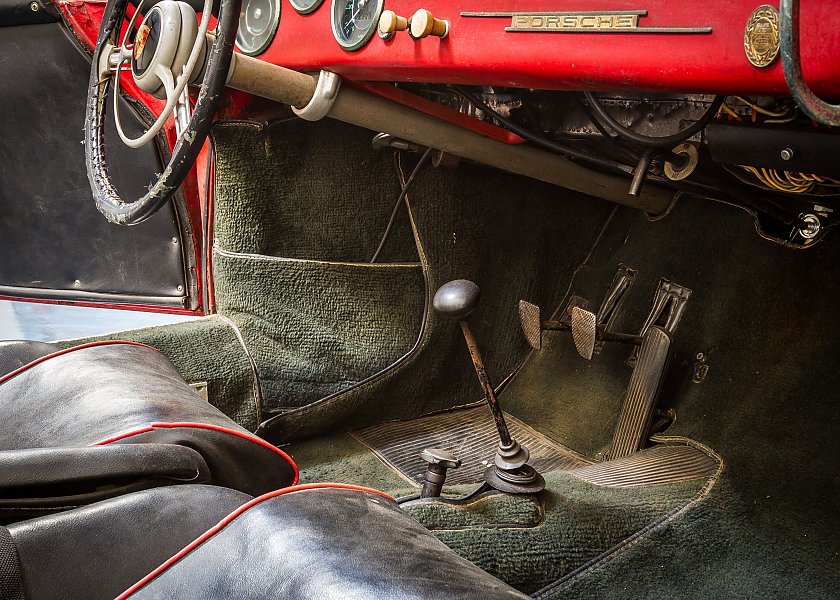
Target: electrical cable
(646, 140)
(539, 140)
(730, 112)
(400, 199)
(761, 109)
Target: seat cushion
(324, 541)
(99, 550)
(14, 354)
(129, 393)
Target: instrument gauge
(305, 7)
(258, 21)
(354, 21)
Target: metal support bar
(381, 115)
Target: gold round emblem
(761, 37)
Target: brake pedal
(642, 393)
(584, 331)
(530, 320)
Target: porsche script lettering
(573, 22)
(616, 21)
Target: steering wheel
(168, 53)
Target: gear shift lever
(510, 471)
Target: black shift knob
(457, 299)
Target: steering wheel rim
(189, 143)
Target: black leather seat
(103, 419)
(324, 541)
(15, 354)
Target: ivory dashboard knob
(424, 24)
(390, 23)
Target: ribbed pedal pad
(642, 393)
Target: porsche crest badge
(140, 41)
(761, 36)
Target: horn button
(162, 45)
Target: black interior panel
(53, 241)
(26, 12)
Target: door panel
(53, 241)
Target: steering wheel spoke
(163, 65)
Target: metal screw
(174, 240)
(180, 288)
(34, 6)
(786, 153)
(77, 283)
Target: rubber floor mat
(471, 434)
(666, 463)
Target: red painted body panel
(479, 51)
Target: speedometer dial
(354, 21)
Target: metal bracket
(623, 279)
(668, 308)
(326, 91)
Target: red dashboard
(479, 50)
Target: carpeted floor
(764, 318)
(318, 192)
(527, 541)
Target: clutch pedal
(530, 320)
(639, 404)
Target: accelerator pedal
(642, 393)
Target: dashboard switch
(423, 24)
(390, 23)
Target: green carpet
(341, 459)
(526, 541)
(488, 510)
(316, 328)
(513, 236)
(765, 316)
(298, 189)
(581, 522)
